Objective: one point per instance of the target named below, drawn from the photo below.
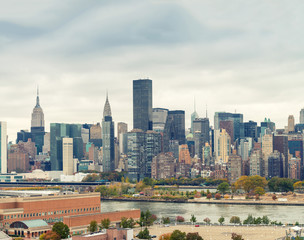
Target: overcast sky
(232, 55)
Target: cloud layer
(246, 56)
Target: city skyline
(246, 57)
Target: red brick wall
(82, 220)
(47, 204)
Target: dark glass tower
(108, 148)
(142, 104)
(58, 132)
(175, 128)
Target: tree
(265, 220)
(93, 226)
(166, 220)
(193, 236)
(178, 235)
(217, 196)
(207, 220)
(165, 236)
(180, 219)
(249, 183)
(249, 220)
(276, 184)
(259, 191)
(127, 223)
(221, 220)
(144, 234)
(146, 218)
(51, 235)
(236, 237)
(298, 185)
(223, 187)
(193, 219)
(235, 220)
(61, 229)
(105, 223)
(209, 196)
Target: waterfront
(285, 214)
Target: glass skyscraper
(58, 132)
(142, 104)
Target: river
(285, 214)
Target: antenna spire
(206, 111)
(37, 98)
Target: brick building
(75, 210)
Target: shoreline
(224, 202)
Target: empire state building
(37, 125)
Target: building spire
(107, 108)
(194, 105)
(206, 111)
(37, 98)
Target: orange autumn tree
(165, 236)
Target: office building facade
(57, 133)
(3, 147)
(142, 104)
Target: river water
(285, 214)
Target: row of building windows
(51, 213)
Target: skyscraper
(37, 125)
(250, 129)
(302, 116)
(175, 128)
(201, 134)
(159, 119)
(291, 123)
(142, 104)
(122, 129)
(67, 156)
(267, 149)
(108, 148)
(194, 116)
(3, 147)
(58, 132)
(237, 119)
(142, 147)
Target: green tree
(144, 234)
(178, 235)
(165, 220)
(93, 226)
(221, 220)
(249, 220)
(61, 229)
(223, 187)
(127, 223)
(193, 219)
(148, 181)
(235, 220)
(265, 220)
(193, 236)
(105, 223)
(276, 184)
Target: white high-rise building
(302, 116)
(67, 156)
(3, 147)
